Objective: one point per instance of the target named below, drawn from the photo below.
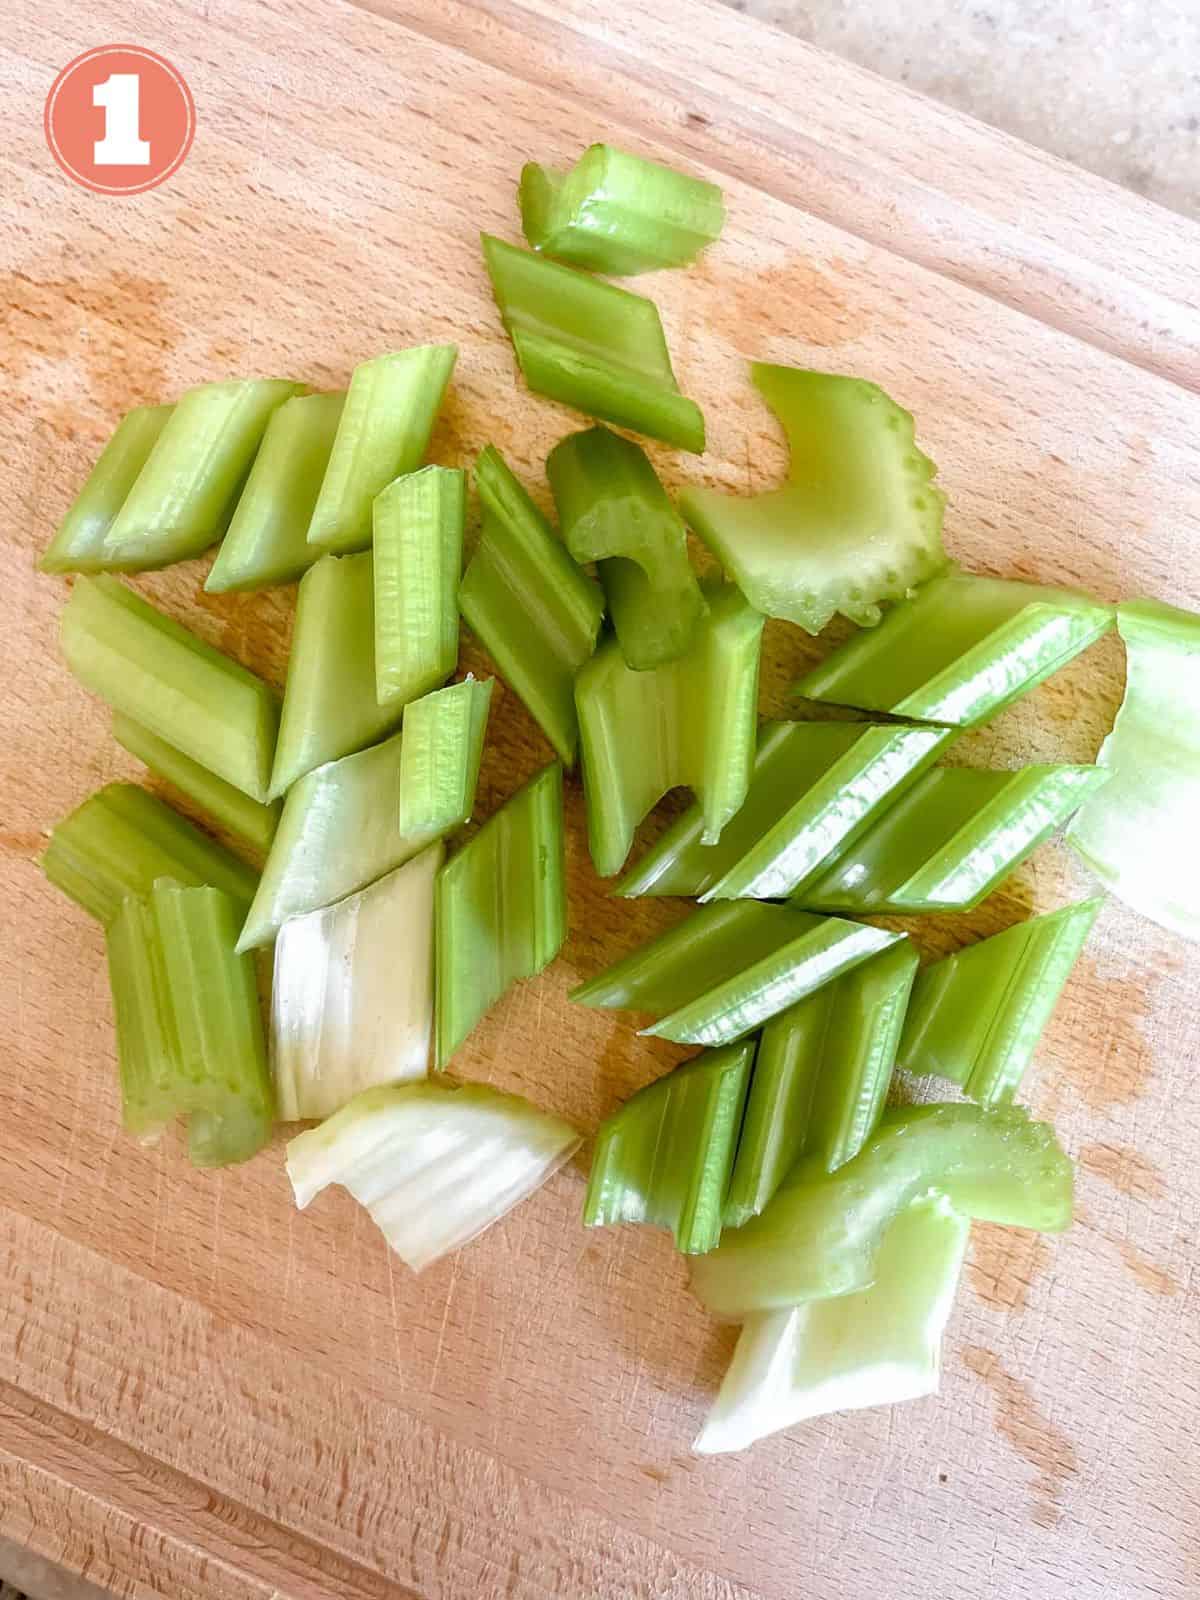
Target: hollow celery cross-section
(619, 214)
(267, 542)
(688, 722)
(189, 1032)
(249, 819)
(722, 971)
(184, 496)
(591, 345)
(501, 907)
(391, 406)
(820, 1235)
(435, 1162)
(952, 839)
(329, 704)
(1138, 835)
(977, 1016)
(858, 522)
(146, 666)
(348, 822)
(78, 546)
(613, 510)
(873, 1348)
(665, 1156)
(535, 612)
(821, 1078)
(122, 839)
(418, 521)
(960, 651)
(352, 993)
(815, 787)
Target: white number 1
(121, 146)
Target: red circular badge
(119, 119)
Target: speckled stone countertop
(1112, 85)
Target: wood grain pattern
(202, 1393)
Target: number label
(122, 145)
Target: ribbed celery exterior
(78, 546)
(249, 819)
(418, 521)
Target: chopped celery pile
(859, 521)
(419, 522)
(688, 722)
(1138, 834)
(591, 345)
(619, 214)
(435, 1162)
(613, 510)
(78, 546)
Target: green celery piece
(184, 496)
(816, 786)
(820, 1235)
(267, 542)
(591, 345)
(78, 546)
(613, 510)
(248, 819)
(876, 1347)
(664, 1157)
(122, 839)
(391, 406)
(535, 612)
(721, 972)
(419, 522)
(1138, 836)
(960, 651)
(821, 1078)
(619, 214)
(329, 704)
(952, 839)
(148, 1059)
(976, 1017)
(688, 722)
(501, 911)
(348, 822)
(859, 520)
(148, 667)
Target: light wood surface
(204, 1394)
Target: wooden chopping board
(204, 1394)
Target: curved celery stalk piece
(721, 972)
(613, 510)
(591, 345)
(435, 1162)
(977, 1016)
(1138, 836)
(78, 546)
(859, 520)
(664, 1157)
(501, 910)
(816, 786)
(960, 650)
(873, 1348)
(391, 406)
(352, 994)
(535, 612)
(146, 666)
(348, 822)
(122, 839)
(688, 722)
(619, 214)
(820, 1235)
(248, 819)
(267, 542)
(952, 839)
(418, 523)
(821, 1078)
(329, 704)
(189, 1031)
(185, 494)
